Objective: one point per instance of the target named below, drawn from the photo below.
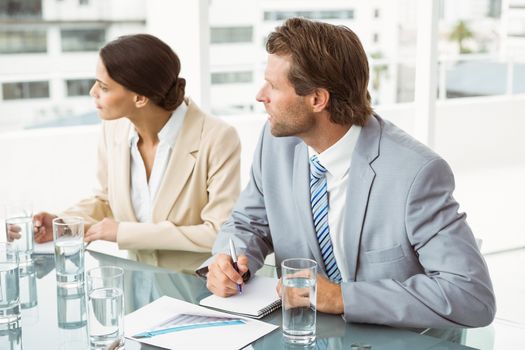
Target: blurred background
(450, 72)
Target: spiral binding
(269, 309)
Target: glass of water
(9, 284)
(105, 307)
(68, 235)
(299, 300)
(19, 229)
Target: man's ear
(141, 101)
(319, 99)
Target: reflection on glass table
(60, 321)
(27, 282)
(11, 336)
(71, 317)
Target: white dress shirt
(337, 160)
(143, 192)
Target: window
(326, 14)
(23, 41)
(221, 35)
(231, 77)
(376, 13)
(82, 39)
(376, 38)
(83, 2)
(25, 90)
(21, 9)
(516, 27)
(79, 87)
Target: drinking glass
(299, 300)
(68, 235)
(105, 307)
(19, 229)
(9, 284)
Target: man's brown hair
(330, 57)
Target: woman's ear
(141, 101)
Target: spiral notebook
(258, 299)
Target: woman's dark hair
(147, 66)
(330, 57)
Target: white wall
(481, 138)
(52, 167)
(184, 26)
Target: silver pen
(233, 254)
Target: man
(333, 182)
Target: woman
(168, 173)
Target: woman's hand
(105, 230)
(43, 227)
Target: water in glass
(24, 244)
(69, 261)
(105, 317)
(299, 321)
(9, 293)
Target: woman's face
(112, 100)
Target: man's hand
(13, 232)
(105, 230)
(222, 279)
(43, 227)
(329, 296)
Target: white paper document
(175, 324)
(258, 299)
(108, 248)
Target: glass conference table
(54, 318)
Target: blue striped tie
(319, 204)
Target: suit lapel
(301, 194)
(360, 180)
(123, 170)
(181, 163)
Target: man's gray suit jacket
(412, 258)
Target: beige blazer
(196, 195)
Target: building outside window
(25, 90)
(222, 35)
(516, 27)
(232, 77)
(82, 39)
(23, 41)
(30, 9)
(79, 87)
